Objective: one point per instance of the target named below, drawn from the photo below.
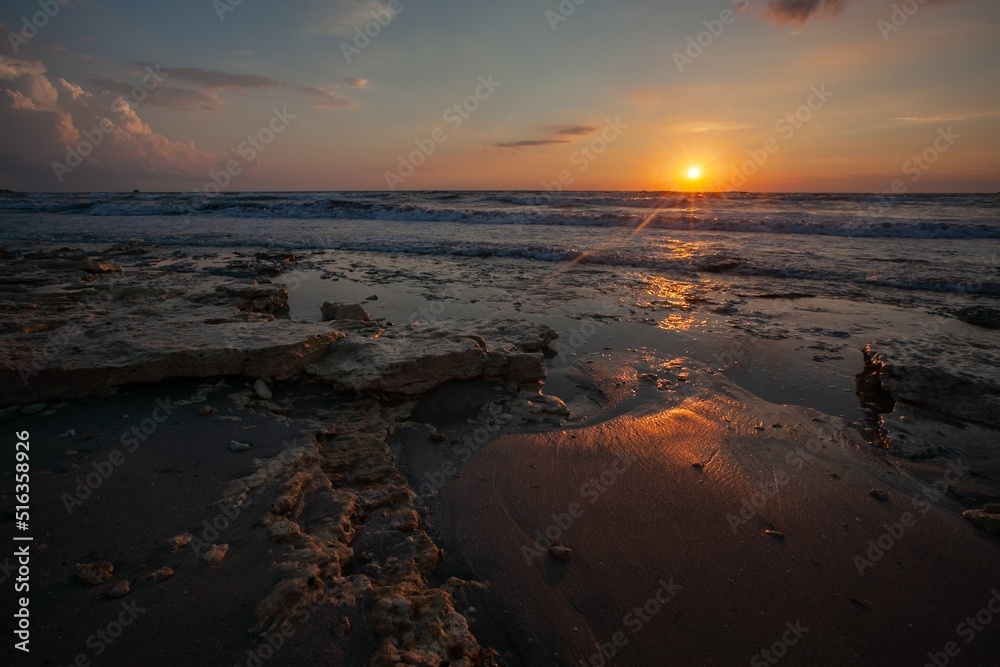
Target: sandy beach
(508, 471)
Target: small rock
(560, 553)
(262, 390)
(988, 521)
(206, 410)
(879, 495)
(94, 573)
(777, 534)
(215, 554)
(238, 446)
(437, 437)
(342, 627)
(341, 311)
(33, 409)
(180, 541)
(68, 434)
(160, 575)
(120, 590)
(373, 297)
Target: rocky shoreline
(352, 537)
(342, 489)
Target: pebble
(775, 533)
(33, 409)
(94, 573)
(238, 446)
(161, 574)
(215, 554)
(262, 390)
(879, 495)
(120, 590)
(180, 541)
(342, 627)
(560, 553)
(206, 410)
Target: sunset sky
(615, 95)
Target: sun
(694, 173)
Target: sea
(894, 248)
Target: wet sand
(668, 498)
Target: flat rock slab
(413, 358)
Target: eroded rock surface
(946, 398)
(411, 359)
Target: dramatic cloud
(45, 123)
(799, 11)
(530, 142)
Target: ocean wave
(856, 216)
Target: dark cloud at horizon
(530, 142)
(799, 11)
(576, 130)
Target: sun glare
(693, 172)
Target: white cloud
(42, 123)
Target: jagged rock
(262, 390)
(343, 311)
(94, 573)
(238, 446)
